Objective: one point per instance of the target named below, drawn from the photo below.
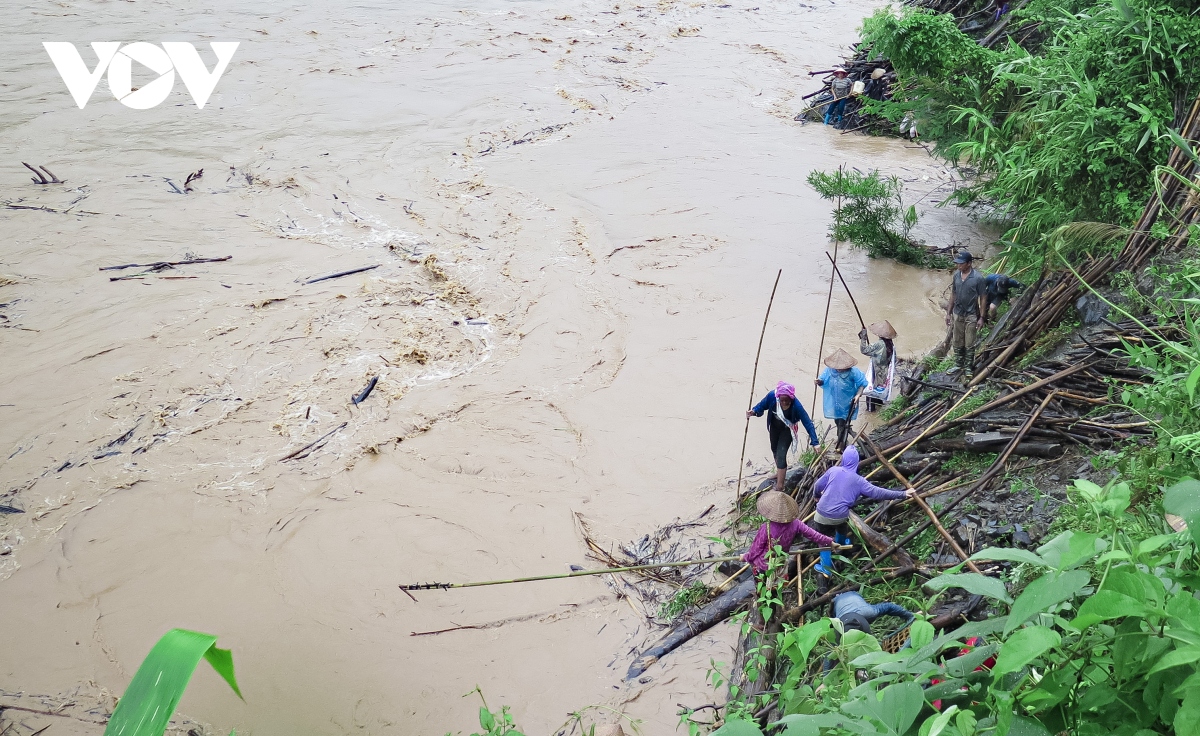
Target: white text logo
(171, 57)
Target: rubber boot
(840, 539)
(827, 116)
(960, 359)
(825, 566)
(969, 362)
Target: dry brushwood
(41, 175)
(194, 176)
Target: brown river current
(577, 209)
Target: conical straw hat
(610, 729)
(778, 507)
(840, 360)
(884, 329)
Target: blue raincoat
(839, 388)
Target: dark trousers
(843, 431)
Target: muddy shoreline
(606, 191)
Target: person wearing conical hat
(840, 88)
(882, 370)
(782, 527)
(841, 381)
(784, 415)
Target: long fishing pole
(753, 379)
(601, 571)
(838, 271)
(828, 299)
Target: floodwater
(577, 210)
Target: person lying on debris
(883, 363)
(841, 381)
(782, 527)
(997, 286)
(840, 87)
(836, 491)
(855, 613)
(784, 413)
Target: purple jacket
(773, 533)
(840, 488)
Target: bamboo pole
(725, 583)
(602, 571)
(753, 380)
(916, 497)
(799, 581)
(828, 301)
(838, 271)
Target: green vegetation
(493, 724)
(1169, 400)
(973, 402)
(1072, 132)
(871, 215)
(152, 696)
(970, 463)
(895, 408)
(683, 600)
(1100, 640)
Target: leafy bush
(1070, 133)
(871, 215)
(1104, 639)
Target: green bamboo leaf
(973, 583)
(1183, 499)
(1009, 554)
(738, 728)
(1193, 379)
(920, 634)
(1048, 590)
(1023, 647)
(935, 724)
(1175, 658)
(152, 696)
(1071, 549)
(1105, 605)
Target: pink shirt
(773, 533)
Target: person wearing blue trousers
(840, 87)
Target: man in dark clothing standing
(968, 304)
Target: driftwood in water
(161, 265)
(362, 395)
(711, 614)
(340, 274)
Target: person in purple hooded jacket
(836, 492)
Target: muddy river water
(577, 209)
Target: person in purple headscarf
(784, 414)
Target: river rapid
(577, 210)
